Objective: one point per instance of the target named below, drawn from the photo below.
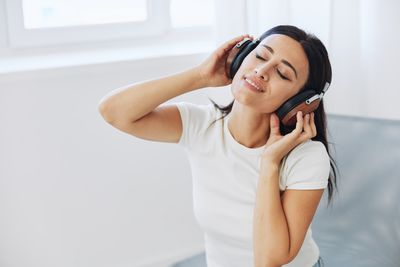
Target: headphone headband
(306, 100)
(326, 87)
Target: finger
(299, 124)
(274, 125)
(307, 126)
(232, 42)
(222, 51)
(313, 126)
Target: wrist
(270, 161)
(269, 165)
(199, 77)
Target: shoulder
(308, 149)
(307, 166)
(192, 111)
(196, 121)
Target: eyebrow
(283, 60)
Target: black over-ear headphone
(306, 100)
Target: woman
(257, 178)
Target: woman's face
(279, 66)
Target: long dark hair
(320, 72)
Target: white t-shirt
(225, 175)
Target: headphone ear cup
(237, 55)
(287, 112)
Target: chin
(243, 99)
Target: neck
(248, 127)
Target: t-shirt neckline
(235, 145)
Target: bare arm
(132, 102)
(135, 109)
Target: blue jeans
(319, 263)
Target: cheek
(286, 96)
(281, 91)
(246, 66)
(236, 85)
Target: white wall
(76, 192)
(361, 36)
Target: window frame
(158, 23)
(19, 55)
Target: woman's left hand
(279, 146)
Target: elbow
(102, 107)
(104, 111)
(272, 262)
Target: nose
(263, 71)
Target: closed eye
(279, 73)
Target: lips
(255, 83)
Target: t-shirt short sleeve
(195, 121)
(307, 166)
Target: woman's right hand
(212, 70)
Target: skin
(251, 112)
(280, 220)
(252, 115)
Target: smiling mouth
(255, 86)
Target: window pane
(189, 13)
(59, 13)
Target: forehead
(289, 49)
